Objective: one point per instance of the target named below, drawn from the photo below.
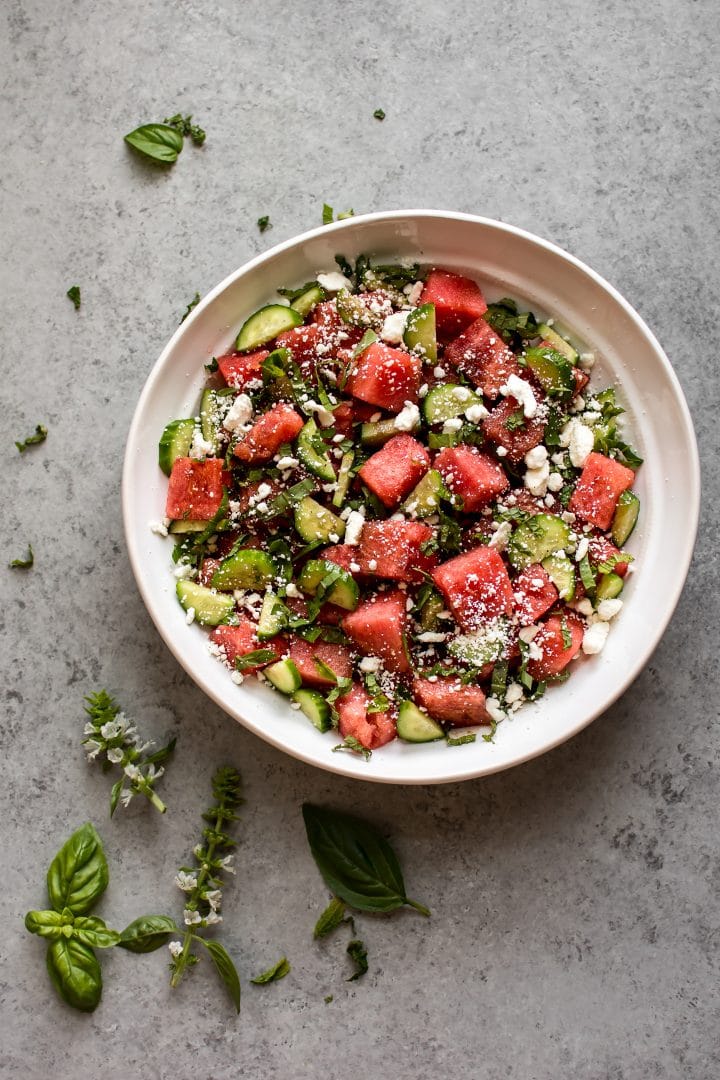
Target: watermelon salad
(400, 506)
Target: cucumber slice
(315, 707)
(182, 525)
(273, 617)
(266, 324)
(308, 300)
(284, 676)
(448, 401)
(416, 726)
(419, 333)
(175, 443)
(552, 370)
(210, 419)
(424, 499)
(210, 608)
(248, 568)
(477, 649)
(352, 310)
(430, 610)
(561, 572)
(558, 343)
(608, 587)
(344, 592)
(378, 432)
(314, 522)
(343, 479)
(625, 518)
(311, 451)
(537, 538)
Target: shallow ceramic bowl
(506, 262)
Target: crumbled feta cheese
(608, 609)
(555, 481)
(394, 327)
(325, 417)
(536, 457)
(287, 462)
(568, 516)
(461, 393)
(372, 565)
(201, 448)
(578, 404)
(527, 633)
(370, 664)
(522, 391)
(559, 459)
(439, 372)
(334, 538)
(581, 444)
(582, 549)
(334, 281)
(414, 292)
(263, 491)
(423, 391)
(535, 480)
(354, 568)
(453, 424)
(475, 413)
(431, 636)
(595, 637)
(535, 652)
(407, 418)
(501, 451)
(584, 607)
(159, 528)
(587, 361)
(184, 570)
(190, 615)
(237, 677)
(495, 712)
(292, 590)
(239, 414)
(354, 527)
(502, 534)
(513, 693)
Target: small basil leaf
(358, 954)
(148, 933)
(160, 142)
(330, 919)
(277, 971)
(92, 931)
(225, 969)
(47, 924)
(78, 875)
(75, 973)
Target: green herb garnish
(185, 126)
(159, 142)
(277, 971)
(23, 564)
(358, 954)
(73, 294)
(263, 223)
(32, 440)
(193, 304)
(379, 114)
(328, 215)
(252, 659)
(332, 917)
(354, 746)
(515, 420)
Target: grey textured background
(575, 923)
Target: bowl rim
(339, 764)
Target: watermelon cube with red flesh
(195, 489)
(534, 593)
(371, 729)
(336, 657)
(448, 701)
(458, 302)
(475, 478)
(556, 651)
(378, 626)
(278, 425)
(237, 641)
(340, 554)
(602, 550)
(238, 369)
(598, 489)
(385, 377)
(483, 357)
(303, 342)
(516, 439)
(392, 472)
(476, 587)
(393, 549)
(206, 571)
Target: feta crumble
(522, 391)
(407, 418)
(595, 637)
(334, 281)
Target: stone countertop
(575, 899)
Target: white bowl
(506, 262)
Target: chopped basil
(586, 574)
(23, 564)
(193, 304)
(263, 223)
(277, 971)
(460, 740)
(32, 440)
(252, 659)
(351, 743)
(292, 294)
(73, 294)
(379, 703)
(499, 679)
(185, 126)
(358, 954)
(332, 917)
(608, 565)
(379, 114)
(566, 635)
(212, 367)
(513, 327)
(365, 342)
(490, 735)
(328, 215)
(515, 420)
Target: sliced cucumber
(248, 568)
(266, 324)
(343, 478)
(419, 333)
(273, 617)
(311, 451)
(536, 538)
(183, 525)
(552, 370)
(558, 343)
(413, 725)
(424, 499)
(477, 649)
(430, 610)
(625, 518)
(284, 676)
(344, 592)
(308, 300)
(210, 608)
(378, 432)
(608, 587)
(561, 572)
(175, 443)
(315, 707)
(210, 419)
(352, 310)
(448, 401)
(314, 522)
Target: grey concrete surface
(575, 925)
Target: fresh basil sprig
(159, 142)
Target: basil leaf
(193, 304)
(327, 214)
(263, 223)
(331, 918)
(32, 440)
(159, 142)
(115, 793)
(78, 875)
(357, 864)
(277, 971)
(252, 659)
(148, 933)
(379, 114)
(91, 930)
(73, 294)
(358, 954)
(75, 973)
(47, 924)
(23, 564)
(225, 969)
(354, 746)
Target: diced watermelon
(556, 655)
(392, 472)
(448, 701)
(206, 571)
(474, 477)
(343, 418)
(326, 315)
(482, 355)
(278, 425)
(476, 587)
(392, 549)
(601, 550)
(238, 369)
(370, 729)
(240, 640)
(581, 380)
(458, 302)
(601, 484)
(336, 657)
(385, 377)
(534, 593)
(340, 554)
(520, 439)
(195, 489)
(247, 497)
(521, 499)
(378, 626)
(303, 342)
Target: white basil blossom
(186, 882)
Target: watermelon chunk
(482, 355)
(303, 342)
(392, 549)
(474, 477)
(448, 701)
(596, 493)
(240, 640)
(378, 626)
(458, 302)
(340, 554)
(336, 657)
(370, 729)
(386, 377)
(476, 587)
(393, 472)
(517, 441)
(600, 550)
(238, 369)
(556, 655)
(534, 593)
(278, 425)
(206, 571)
(195, 489)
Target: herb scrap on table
(73, 294)
(358, 954)
(193, 304)
(160, 143)
(328, 215)
(23, 564)
(40, 436)
(277, 971)
(379, 114)
(263, 223)
(185, 126)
